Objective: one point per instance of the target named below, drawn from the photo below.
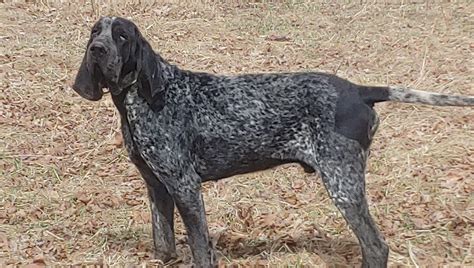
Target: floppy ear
(130, 68)
(150, 75)
(87, 83)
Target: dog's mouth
(107, 83)
(108, 79)
(101, 78)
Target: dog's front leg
(162, 214)
(188, 199)
(161, 202)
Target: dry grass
(69, 195)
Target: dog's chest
(152, 136)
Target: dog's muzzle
(98, 50)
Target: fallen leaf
(419, 223)
(21, 213)
(268, 220)
(38, 261)
(118, 140)
(291, 198)
(3, 240)
(298, 184)
(83, 197)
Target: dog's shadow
(334, 252)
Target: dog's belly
(218, 171)
(218, 157)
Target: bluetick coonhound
(182, 128)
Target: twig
(412, 255)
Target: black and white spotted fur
(182, 128)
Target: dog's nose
(98, 50)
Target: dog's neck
(169, 71)
(129, 80)
(119, 99)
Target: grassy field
(69, 195)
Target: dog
(182, 128)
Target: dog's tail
(371, 95)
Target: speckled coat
(182, 128)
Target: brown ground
(69, 195)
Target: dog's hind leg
(342, 167)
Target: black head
(116, 57)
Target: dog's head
(116, 57)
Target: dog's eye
(95, 31)
(123, 37)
